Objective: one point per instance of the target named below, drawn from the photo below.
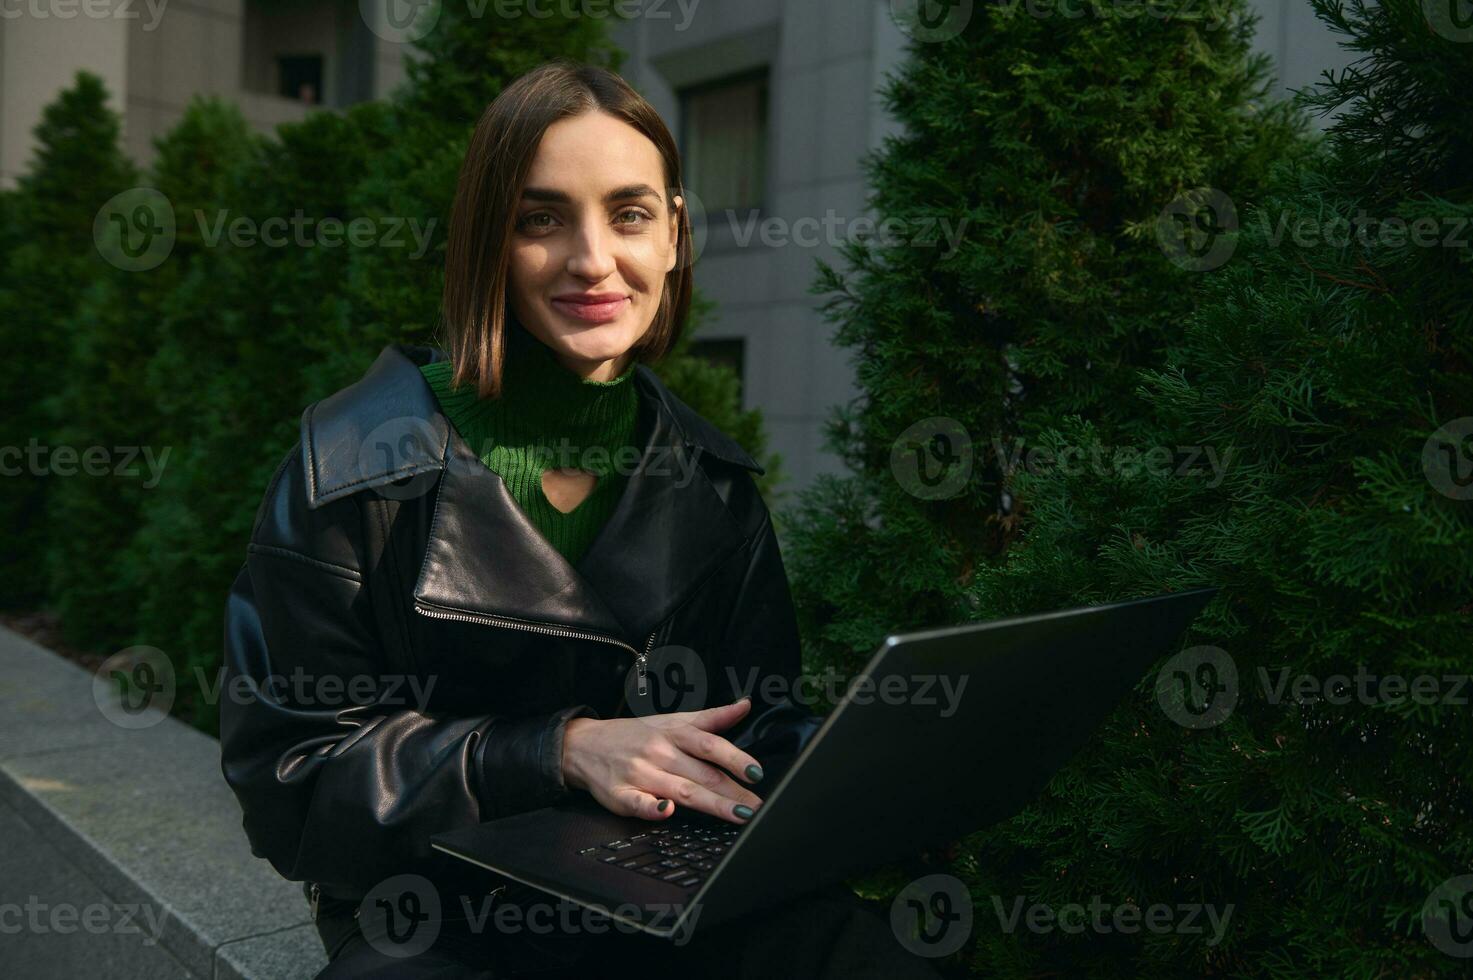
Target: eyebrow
(552, 196)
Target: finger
(630, 801)
(713, 748)
(720, 717)
(694, 796)
(715, 780)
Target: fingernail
(744, 812)
(662, 805)
(744, 697)
(754, 773)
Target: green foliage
(105, 397)
(1318, 369)
(47, 261)
(1053, 143)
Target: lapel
(669, 529)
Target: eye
(639, 213)
(533, 222)
(526, 222)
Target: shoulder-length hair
(483, 216)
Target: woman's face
(593, 243)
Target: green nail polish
(744, 812)
(662, 805)
(754, 773)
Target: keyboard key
(674, 875)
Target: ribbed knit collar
(543, 406)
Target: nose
(593, 250)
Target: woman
(461, 581)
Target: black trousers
(826, 935)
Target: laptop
(977, 719)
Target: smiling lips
(592, 307)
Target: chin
(600, 343)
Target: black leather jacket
(403, 648)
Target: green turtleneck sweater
(548, 416)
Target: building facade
(773, 102)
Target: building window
(723, 127)
(301, 77)
(728, 351)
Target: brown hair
(483, 217)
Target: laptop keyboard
(681, 852)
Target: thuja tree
(1310, 793)
(1052, 144)
(152, 236)
(229, 376)
(49, 258)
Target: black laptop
(978, 718)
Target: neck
(610, 370)
(544, 404)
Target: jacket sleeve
(763, 632)
(341, 775)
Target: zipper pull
(642, 660)
(316, 894)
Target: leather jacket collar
(484, 558)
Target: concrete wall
(826, 59)
(154, 63)
(123, 852)
(38, 58)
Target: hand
(641, 767)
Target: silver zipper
(315, 891)
(520, 624)
(642, 660)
